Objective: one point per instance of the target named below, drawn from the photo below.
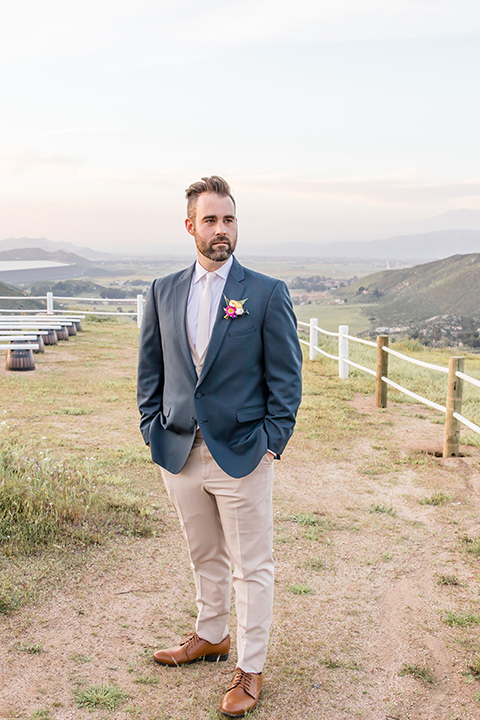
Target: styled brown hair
(213, 184)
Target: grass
(454, 619)
(438, 498)
(300, 589)
(474, 668)
(304, 519)
(108, 697)
(30, 648)
(382, 510)
(471, 545)
(422, 672)
(44, 501)
(447, 580)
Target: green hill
(11, 291)
(444, 287)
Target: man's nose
(221, 228)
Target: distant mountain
(445, 287)
(34, 253)
(51, 246)
(406, 248)
(462, 219)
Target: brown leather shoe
(242, 695)
(192, 650)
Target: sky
(332, 120)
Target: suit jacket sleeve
(283, 368)
(150, 366)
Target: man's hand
(270, 455)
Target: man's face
(215, 227)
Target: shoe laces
(244, 680)
(191, 641)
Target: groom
(219, 385)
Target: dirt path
(366, 573)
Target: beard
(217, 254)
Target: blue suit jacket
(246, 398)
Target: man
(219, 385)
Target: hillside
(443, 287)
(10, 291)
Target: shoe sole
(207, 658)
(235, 715)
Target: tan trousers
(228, 521)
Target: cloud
(23, 160)
(148, 32)
(403, 188)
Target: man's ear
(190, 227)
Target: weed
(439, 498)
(100, 696)
(41, 714)
(472, 545)
(311, 534)
(457, 620)
(76, 657)
(474, 668)
(317, 565)
(382, 509)
(447, 580)
(422, 672)
(146, 680)
(304, 519)
(30, 648)
(300, 589)
(330, 664)
(73, 411)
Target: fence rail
(50, 298)
(454, 396)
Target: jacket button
(198, 395)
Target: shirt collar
(222, 272)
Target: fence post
(451, 442)
(313, 338)
(140, 304)
(342, 352)
(49, 303)
(382, 371)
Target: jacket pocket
(251, 413)
(239, 333)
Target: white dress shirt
(196, 288)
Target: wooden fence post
(140, 304)
(313, 338)
(49, 303)
(451, 442)
(342, 352)
(382, 371)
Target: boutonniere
(234, 308)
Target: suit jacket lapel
(180, 314)
(234, 290)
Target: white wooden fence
(50, 299)
(453, 405)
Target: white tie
(203, 325)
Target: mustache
(221, 238)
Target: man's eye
(229, 220)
